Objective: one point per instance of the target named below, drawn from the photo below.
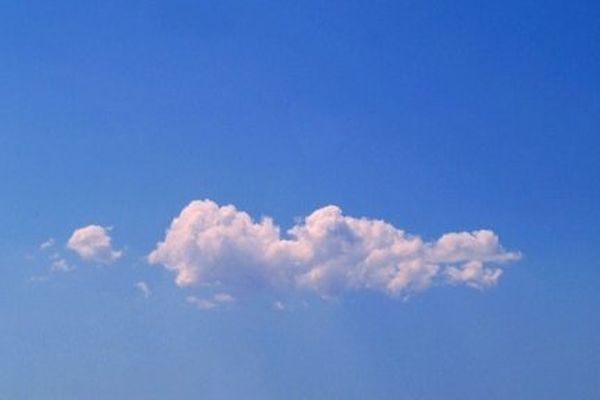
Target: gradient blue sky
(434, 116)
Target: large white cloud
(93, 243)
(327, 252)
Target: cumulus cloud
(474, 274)
(93, 243)
(326, 252)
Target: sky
(299, 199)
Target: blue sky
(435, 117)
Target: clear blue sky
(433, 116)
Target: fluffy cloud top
(93, 243)
(327, 252)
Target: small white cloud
(327, 252)
(224, 298)
(39, 279)
(202, 304)
(47, 244)
(144, 289)
(61, 265)
(218, 300)
(93, 243)
(279, 306)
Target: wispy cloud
(61, 265)
(58, 263)
(326, 252)
(202, 304)
(224, 298)
(219, 299)
(47, 244)
(144, 289)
